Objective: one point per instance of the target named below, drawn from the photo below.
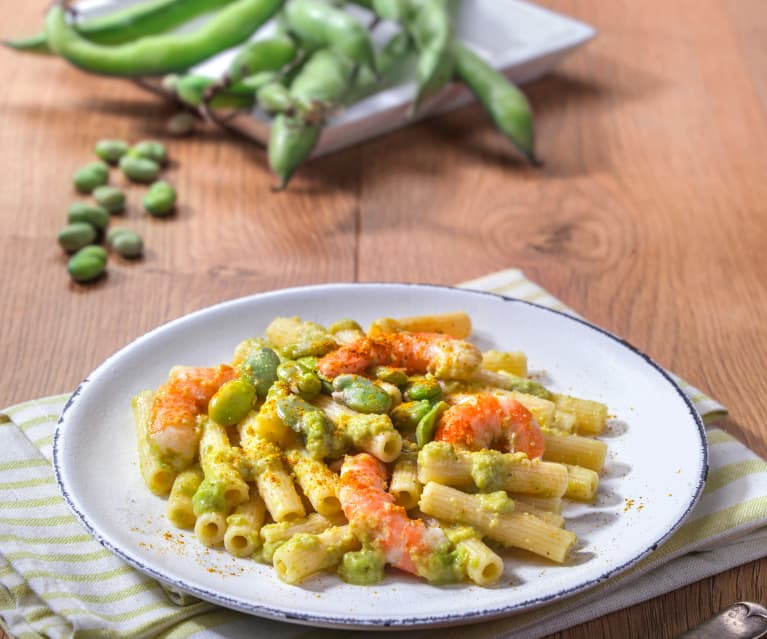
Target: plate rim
(345, 622)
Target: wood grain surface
(649, 218)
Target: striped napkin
(56, 582)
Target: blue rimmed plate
(654, 474)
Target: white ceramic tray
(523, 40)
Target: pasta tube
(374, 434)
(520, 530)
(305, 554)
(243, 525)
(456, 324)
(404, 484)
(490, 470)
(158, 475)
(317, 481)
(566, 448)
(590, 416)
(179, 508)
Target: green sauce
(362, 567)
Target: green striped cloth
(57, 582)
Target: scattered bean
(139, 169)
(109, 197)
(160, 199)
(125, 242)
(182, 123)
(86, 265)
(96, 216)
(75, 236)
(90, 176)
(111, 150)
(151, 150)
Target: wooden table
(649, 218)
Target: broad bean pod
(431, 27)
(507, 105)
(268, 54)
(320, 84)
(148, 18)
(190, 89)
(318, 25)
(159, 54)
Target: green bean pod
(147, 18)
(320, 25)
(269, 54)
(323, 81)
(275, 98)
(291, 142)
(431, 26)
(159, 54)
(507, 105)
(190, 89)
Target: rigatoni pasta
(404, 446)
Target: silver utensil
(742, 620)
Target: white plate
(522, 40)
(654, 473)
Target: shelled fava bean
(92, 214)
(139, 169)
(90, 176)
(125, 243)
(160, 199)
(88, 264)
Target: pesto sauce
(363, 567)
(209, 497)
(496, 502)
(446, 565)
(485, 470)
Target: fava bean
(96, 216)
(86, 265)
(151, 150)
(111, 150)
(110, 198)
(423, 387)
(75, 236)
(160, 199)
(395, 376)
(125, 242)
(181, 123)
(139, 169)
(407, 415)
(90, 176)
(300, 381)
(427, 426)
(232, 402)
(361, 394)
(260, 367)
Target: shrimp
(374, 516)
(175, 407)
(442, 355)
(484, 420)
